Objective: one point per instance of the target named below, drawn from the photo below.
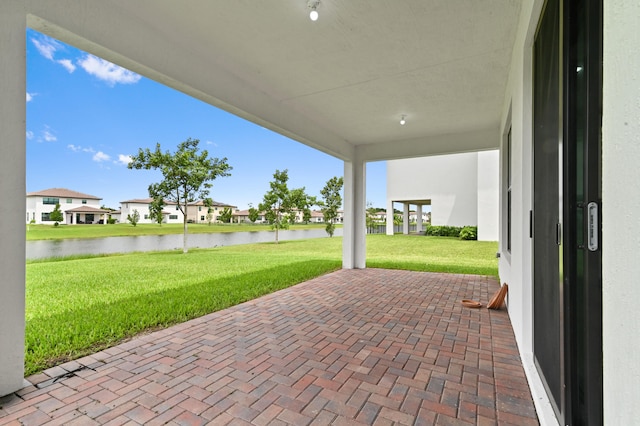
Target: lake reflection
(69, 247)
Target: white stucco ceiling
(339, 84)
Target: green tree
(155, 210)
(370, 215)
(187, 175)
(303, 202)
(254, 214)
(278, 203)
(225, 215)
(134, 217)
(331, 203)
(56, 215)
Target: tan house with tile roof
(76, 207)
(197, 212)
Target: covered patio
(366, 346)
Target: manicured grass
(79, 305)
(50, 232)
(432, 254)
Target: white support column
(354, 228)
(419, 218)
(13, 191)
(390, 218)
(405, 219)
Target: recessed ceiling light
(313, 5)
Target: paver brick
(367, 346)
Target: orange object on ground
(498, 299)
(471, 303)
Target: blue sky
(85, 116)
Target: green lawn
(77, 306)
(50, 232)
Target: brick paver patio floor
(352, 347)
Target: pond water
(54, 248)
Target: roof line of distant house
(194, 203)
(61, 193)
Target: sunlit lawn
(80, 305)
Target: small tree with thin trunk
(56, 215)
(155, 210)
(134, 217)
(225, 215)
(187, 175)
(277, 203)
(303, 202)
(331, 203)
(254, 214)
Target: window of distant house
(69, 201)
(199, 208)
(50, 200)
(45, 217)
(201, 217)
(173, 216)
(146, 216)
(177, 207)
(84, 201)
(508, 154)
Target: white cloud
(67, 64)
(46, 46)
(101, 156)
(29, 134)
(106, 71)
(30, 96)
(48, 136)
(212, 143)
(78, 148)
(123, 159)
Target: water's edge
(109, 245)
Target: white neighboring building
(170, 212)
(76, 207)
(462, 190)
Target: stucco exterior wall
(13, 190)
(463, 188)
(515, 266)
(620, 212)
(127, 208)
(488, 195)
(35, 208)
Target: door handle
(592, 226)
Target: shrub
(469, 233)
(443, 231)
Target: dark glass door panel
(547, 232)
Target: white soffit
(334, 84)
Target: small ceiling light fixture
(313, 4)
(403, 120)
